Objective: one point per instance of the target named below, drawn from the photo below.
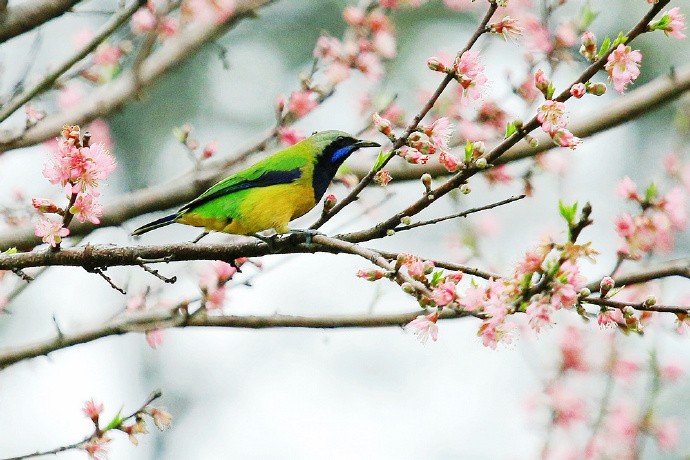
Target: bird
(270, 193)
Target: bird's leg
(198, 238)
(309, 232)
(269, 240)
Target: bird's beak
(361, 144)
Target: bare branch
(16, 20)
(47, 81)
(113, 95)
(141, 322)
(679, 267)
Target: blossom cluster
(97, 445)
(652, 229)
(213, 280)
(79, 167)
(551, 114)
(621, 421)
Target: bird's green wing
(276, 169)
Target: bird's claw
(309, 232)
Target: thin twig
(460, 214)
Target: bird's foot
(269, 240)
(309, 232)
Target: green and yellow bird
(272, 192)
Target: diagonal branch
(653, 95)
(46, 82)
(113, 95)
(462, 177)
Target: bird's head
(333, 147)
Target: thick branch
(679, 267)
(112, 96)
(660, 91)
(16, 20)
(162, 319)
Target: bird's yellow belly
(257, 209)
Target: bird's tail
(162, 222)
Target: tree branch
(46, 82)
(141, 322)
(658, 92)
(113, 95)
(16, 20)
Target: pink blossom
(107, 55)
(169, 26)
(412, 155)
(627, 189)
(667, 434)
(539, 314)
(552, 116)
(672, 23)
(215, 298)
(568, 407)
(96, 448)
(337, 71)
(565, 138)
(474, 298)
(353, 15)
(530, 263)
(676, 208)
(385, 44)
(87, 208)
(610, 317)
(507, 27)
(424, 326)
(572, 346)
(44, 206)
(51, 231)
(143, 21)
(328, 47)
(498, 175)
(578, 90)
(383, 125)
(154, 338)
(537, 37)
(468, 72)
(625, 369)
(443, 294)
(589, 46)
(290, 136)
(439, 133)
(623, 66)
(449, 161)
(92, 410)
(370, 65)
(671, 371)
(302, 102)
(625, 225)
(383, 177)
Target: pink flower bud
(589, 46)
(598, 89)
(329, 202)
(43, 205)
(210, 149)
(371, 275)
(607, 283)
(541, 82)
(578, 90)
(434, 64)
(382, 125)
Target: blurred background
(375, 393)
